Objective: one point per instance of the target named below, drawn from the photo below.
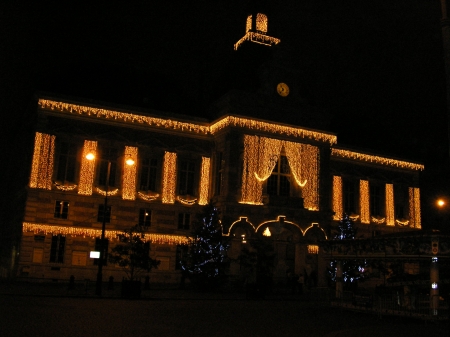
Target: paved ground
(49, 310)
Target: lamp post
(98, 285)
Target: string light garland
(95, 233)
(402, 223)
(242, 219)
(364, 201)
(378, 221)
(148, 197)
(317, 226)
(260, 35)
(414, 207)
(313, 249)
(169, 177)
(354, 217)
(390, 216)
(87, 168)
(42, 163)
(262, 22)
(376, 159)
(337, 198)
(186, 201)
(110, 193)
(204, 181)
(129, 173)
(65, 188)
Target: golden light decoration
(338, 208)
(376, 159)
(354, 217)
(364, 201)
(402, 222)
(248, 23)
(186, 201)
(315, 225)
(95, 233)
(260, 35)
(313, 249)
(204, 181)
(169, 177)
(280, 219)
(129, 173)
(65, 188)
(42, 163)
(390, 211)
(414, 207)
(147, 197)
(262, 23)
(267, 232)
(260, 125)
(378, 221)
(251, 192)
(110, 193)
(241, 219)
(121, 116)
(87, 168)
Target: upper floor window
(219, 173)
(61, 209)
(279, 182)
(145, 217)
(57, 249)
(148, 174)
(104, 213)
(375, 200)
(184, 221)
(67, 159)
(108, 155)
(349, 196)
(186, 175)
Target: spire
(256, 28)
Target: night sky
(376, 67)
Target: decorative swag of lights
(252, 124)
(260, 157)
(95, 233)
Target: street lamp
(98, 285)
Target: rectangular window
(186, 177)
(108, 157)
(79, 258)
(279, 181)
(38, 254)
(184, 220)
(145, 217)
(349, 197)
(57, 249)
(149, 168)
(375, 200)
(61, 209)
(67, 159)
(98, 248)
(104, 213)
(164, 262)
(182, 251)
(219, 173)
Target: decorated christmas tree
(352, 270)
(207, 263)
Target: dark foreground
(34, 315)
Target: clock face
(283, 89)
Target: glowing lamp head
(129, 162)
(90, 156)
(441, 203)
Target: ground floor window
(57, 248)
(79, 258)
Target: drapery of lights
(129, 173)
(338, 209)
(313, 249)
(169, 177)
(42, 164)
(147, 197)
(364, 201)
(376, 159)
(268, 152)
(414, 207)
(204, 181)
(296, 154)
(251, 192)
(122, 116)
(390, 216)
(258, 125)
(378, 221)
(65, 188)
(187, 201)
(310, 174)
(103, 192)
(95, 233)
(87, 168)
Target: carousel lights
(364, 201)
(87, 167)
(169, 177)
(337, 198)
(390, 216)
(42, 163)
(129, 173)
(376, 159)
(95, 233)
(204, 181)
(147, 197)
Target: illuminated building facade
(281, 182)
